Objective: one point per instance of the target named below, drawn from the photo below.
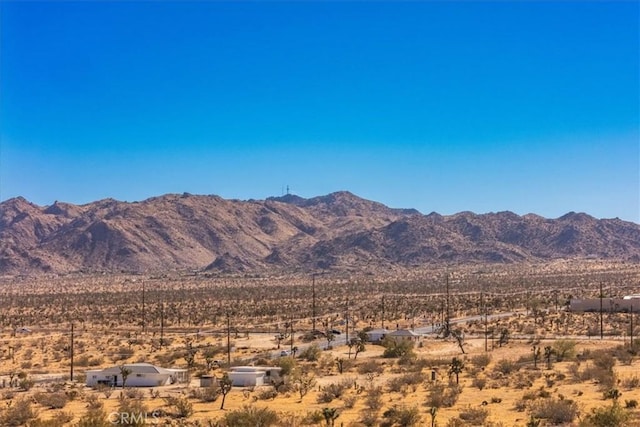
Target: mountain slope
(289, 233)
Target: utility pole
(448, 319)
(484, 307)
(144, 317)
(228, 340)
(601, 322)
(291, 332)
(161, 324)
(71, 374)
(313, 303)
(631, 324)
(382, 311)
(347, 320)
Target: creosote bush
(250, 416)
(556, 411)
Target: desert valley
(333, 311)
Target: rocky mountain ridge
(339, 231)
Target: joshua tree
(330, 338)
(504, 337)
(225, 384)
(304, 382)
(548, 352)
(330, 416)
(433, 411)
(125, 372)
(456, 367)
(458, 335)
(536, 356)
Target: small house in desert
(376, 335)
(139, 375)
(404, 335)
(246, 376)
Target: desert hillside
(339, 231)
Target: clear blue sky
(528, 107)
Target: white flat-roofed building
(140, 375)
(246, 376)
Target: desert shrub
(631, 383)
(206, 394)
(251, 416)
(59, 420)
(54, 400)
(604, 377)
(612, 393)
(123, 353)
(407, 359)
(133, 393)
(132, 412)
(520, 405)
(350, 401)
(481, 360)
(370, 367)
(474, 416)
(267, 393)
(182, 408)
(401, 416)
(311, 353)
(440, 396)
(456, 422)
(479, 382)
(334, 390)
(608, 416)
(574, 371)
(373, 401)
(556, 411)
(564, 349)
(287, 364)
(603, 360)
(505, 366)
(631, 404)
(436, 361)
(17, 414)
(86, 360)
(524, 380)
(368, 418)
(401, 383)
(26, 384)
(313, 418)
(393, 348)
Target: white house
(376, 335)
(404, 335)
(245, 376)
(612, 305)
(140, 375)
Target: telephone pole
(144, 314)
(313, 302)
(448, 319)
(347, 325)
(228, 340)
(631, 324)
(601, 322)
(161, 324)
(484, 307)
(71, 373)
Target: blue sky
(528, 107)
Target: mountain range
(339, 231)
